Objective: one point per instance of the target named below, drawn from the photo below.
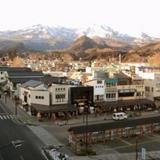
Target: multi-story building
(59, 93)
(98, 89)
(151, 77)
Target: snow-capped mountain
(145, 39)
(40, 37)
(102, 31)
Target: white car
(119, 116)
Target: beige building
(59, 93)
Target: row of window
(99, 86)
(111, 95)
(149, 89)
(60, 96)
(39, 97)
(60, 89)
(60, 100)
(110, 84)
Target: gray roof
(121, 75)
(23, 80)
(6, 68)
(32, 83)
(114, 125)
(100, 75)
(24, 73)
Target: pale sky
(126, 16)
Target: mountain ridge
(40, 37)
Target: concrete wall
(39, 97)
(34, 96)
(58, 90)
(99, 89)
(3, 76)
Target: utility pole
(136, 147)
(86, 110)
(16, 100)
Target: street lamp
(85, 111)
(136, 146)
(16, 103)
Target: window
(2, 78)
(147, 89)
(39, 97)
(99, 82)
(60, 97)
(110, 84)
(152, 89)
(111, 95)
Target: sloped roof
(121, 75)
(31, 83)
(114, 125)
(7, 68)
(24, 73)
(100, 75)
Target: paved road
(10, 130)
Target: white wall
(31, 96)
(59, 89)
(3, 76)
(99, 89)
(21, 92)
(44, 94)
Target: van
(119, 116)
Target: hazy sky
(127, 16)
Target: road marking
(124, 141)
(8, 116)
(11, 116)
(4, 117)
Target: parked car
(119, 116)
(52, 152)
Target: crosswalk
(7, 117)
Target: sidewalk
(21, 114)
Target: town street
(12, 130)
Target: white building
(152, 87)
(99, 89)
(34, 92)
(59, 93)
(109, 90)
(151, 76)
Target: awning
(125, 103)
(54, 108)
